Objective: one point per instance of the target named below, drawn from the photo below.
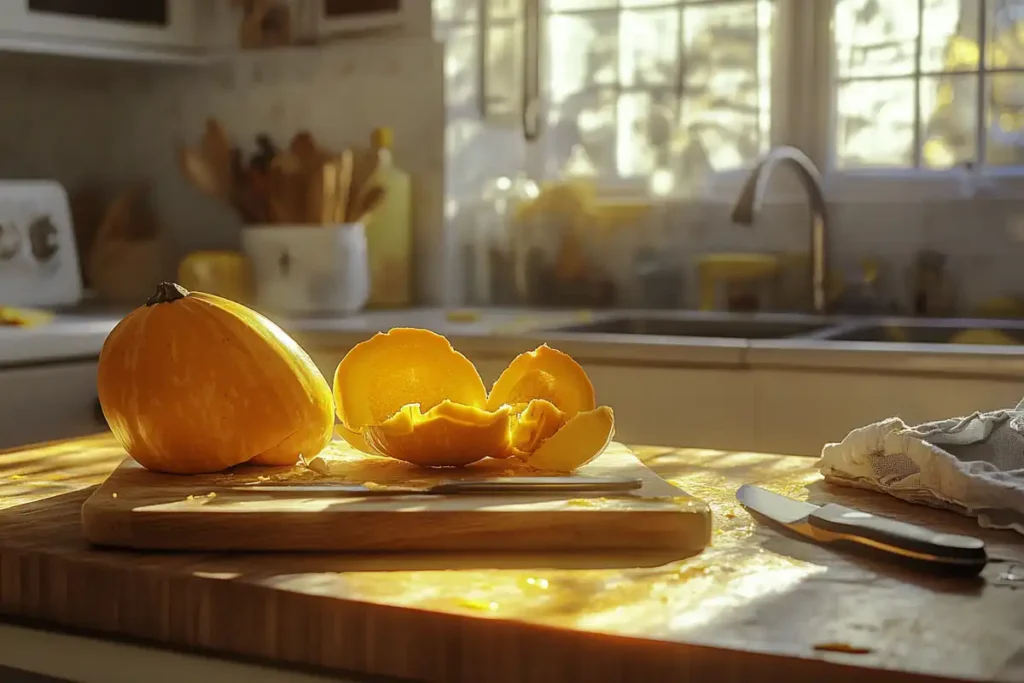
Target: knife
(489, 485)
(832, 523)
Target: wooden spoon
(344, 186)
(216, 147)
(245, 196)
(287, 189)
(364, 168)
(369, 203)
(305, 148)
(200, 173)
(329, 196)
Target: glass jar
(490, 247)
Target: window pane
(875, 123)
(726, 81)
(504, 66)
(1005, 34)
(1005, 120)
(948, 120)
(875, 37)
(476, 153)
(461, 62)
(586, 119)
(454, 10)
(575, 5)
(505, 9)
(582, 52)
(649, 47)
(646, 123)
(647, 3)
(949, 37)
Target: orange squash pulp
(408, 394)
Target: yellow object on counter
(989, 337)
(462, 316)
(1001, 307)
(714, 270)
(571, 202)
(224, 273)
(24, 317)
(389, 229)
(622, 213)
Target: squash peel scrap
(449, 434)
(407, 394)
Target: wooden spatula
(364, 167)
(369, 202)
(329, 197)
(304, 147)
(216, 148)
(344, 186)
(198, 170)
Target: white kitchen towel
(973, 465)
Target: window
(914, 91)
(899, 88)
(637, 86)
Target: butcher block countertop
(756, 605)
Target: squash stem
(166, 292)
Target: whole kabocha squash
(193, 383)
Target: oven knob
(43, 238)
(10, 242)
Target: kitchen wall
(59, 119)
(94, 122)
(982, 235)
(109, 124)
(982, 238)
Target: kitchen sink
(678, 327)
(967, 332)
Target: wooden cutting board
(136, 508)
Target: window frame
(535, 153)
(889, 185)
(803, 114)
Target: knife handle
(901, 538)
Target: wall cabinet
(343, 16)
(159, 30)
(183, 30)
(170, 23)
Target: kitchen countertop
(68, 337)
(502, 333)
(755, 605)
(506, 332)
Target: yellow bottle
(389, 229)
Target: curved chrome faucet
(752, 196)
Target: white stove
(48, 372)
(38, 261)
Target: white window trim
(884, 185)
(724, 186)
(793, 69)
(803, 115)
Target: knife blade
(833, 523)
(489, 485)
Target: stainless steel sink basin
(677, 327)
(952, 332)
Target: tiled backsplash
(982, 238)
(99, 123)
(95, 123)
